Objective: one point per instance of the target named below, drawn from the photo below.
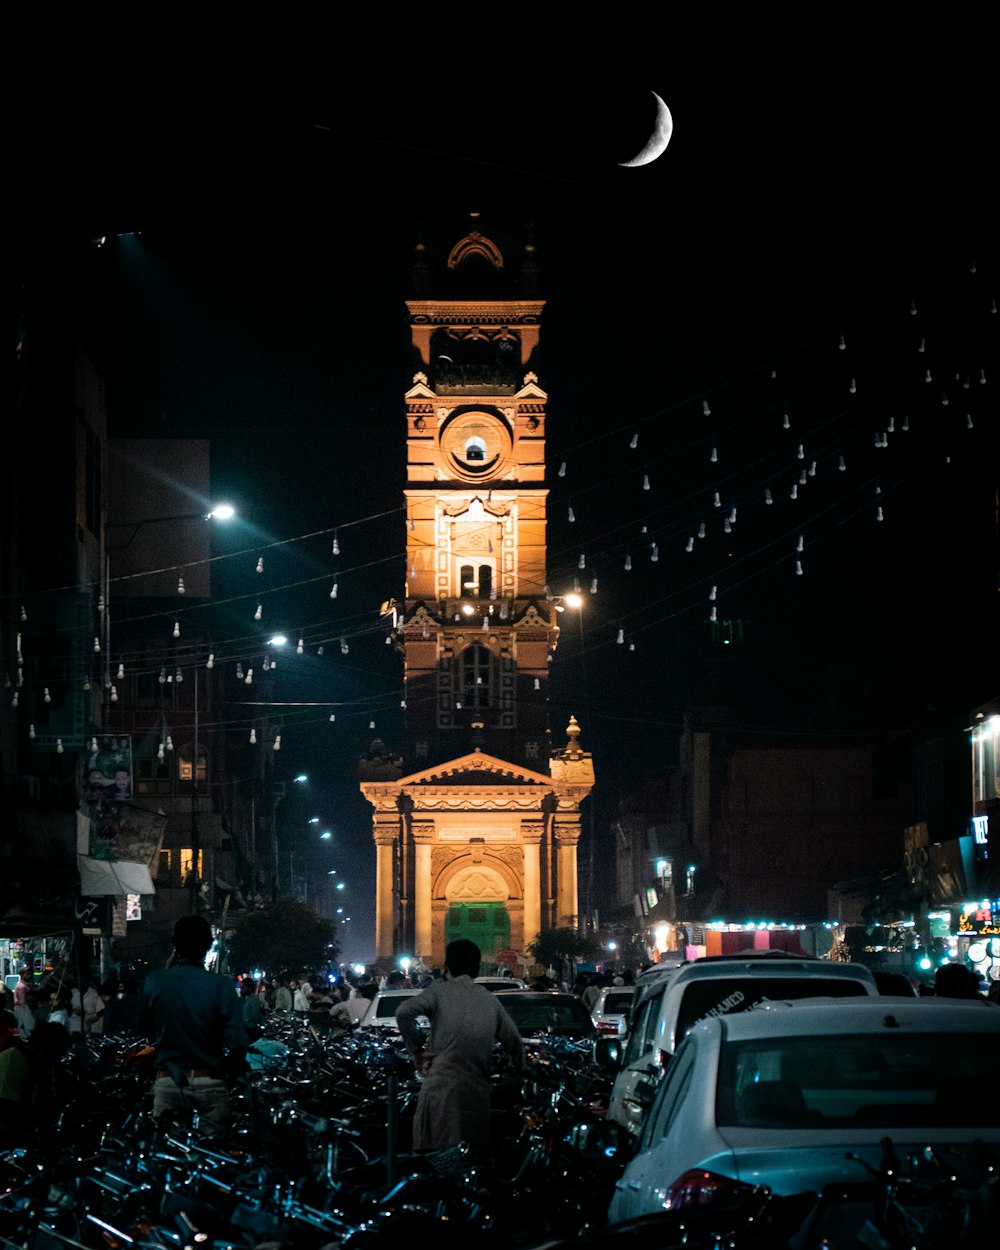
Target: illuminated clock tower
(476, 825)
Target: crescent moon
(656, 145)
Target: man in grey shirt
(466, 1022)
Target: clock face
(477, 445)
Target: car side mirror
(608, 1053)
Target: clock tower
(477, 822)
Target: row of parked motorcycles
(318, 1156)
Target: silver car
(784, 1094)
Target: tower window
(476, 676)
(475, 581)
(475, 449)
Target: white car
(610, 1010)
(669, 1002)
(783, 1095)
(381, 1013)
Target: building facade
(477, 820)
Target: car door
(640, 1189)
(634, 1083)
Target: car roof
(721, 966)
(403, 993)
(828, 1016)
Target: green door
(486, 924)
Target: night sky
(799, 204)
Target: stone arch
(475, 244)
(458, 876)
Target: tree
(283, 936)
(553, 947)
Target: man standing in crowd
(195, 1020)
(466, 1020)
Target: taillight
(608, 1026)
(698, 1188)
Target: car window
(671, 1094)
(643, 1030)
(723, 996)
(562, 1014)
(893, 1079)
(617, 1004)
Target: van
(669, 1002)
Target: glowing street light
(326, 835)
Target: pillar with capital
(422, 832)
(386, 833)
(531, 839)
(567, 837)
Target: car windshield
(724, 996)
(893, 1079)
(565, 1015)
(387, 1006)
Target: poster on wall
(107, 769)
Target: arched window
(475, 449)
(476, 676)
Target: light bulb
(635, 442)
(177, 629)
(715, 455)
(259, 613)
(121, 670)
(277, 742)
(260, 564)
(300, 648)
(786, 423)
(253, 737)
(571, 515)
(712, 593)
(628, 563)
(582, 562)
(705, 410)
(59, 746)
(689, 546)
(47, 697)
(239, 670)
(31, 731)
(562, 469)
(97, 644)
(180, 586)
(343, 646)
(210, 662)
(621, 636)
(333, 592)
(114, 694)
(336, 546)
(645, 481)
(593, 585)
(248, 680)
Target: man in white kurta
(466, 1022)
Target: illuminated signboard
(981, 830)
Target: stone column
(385, 832)
(567, 831)
(531, 837)
(423, 838)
